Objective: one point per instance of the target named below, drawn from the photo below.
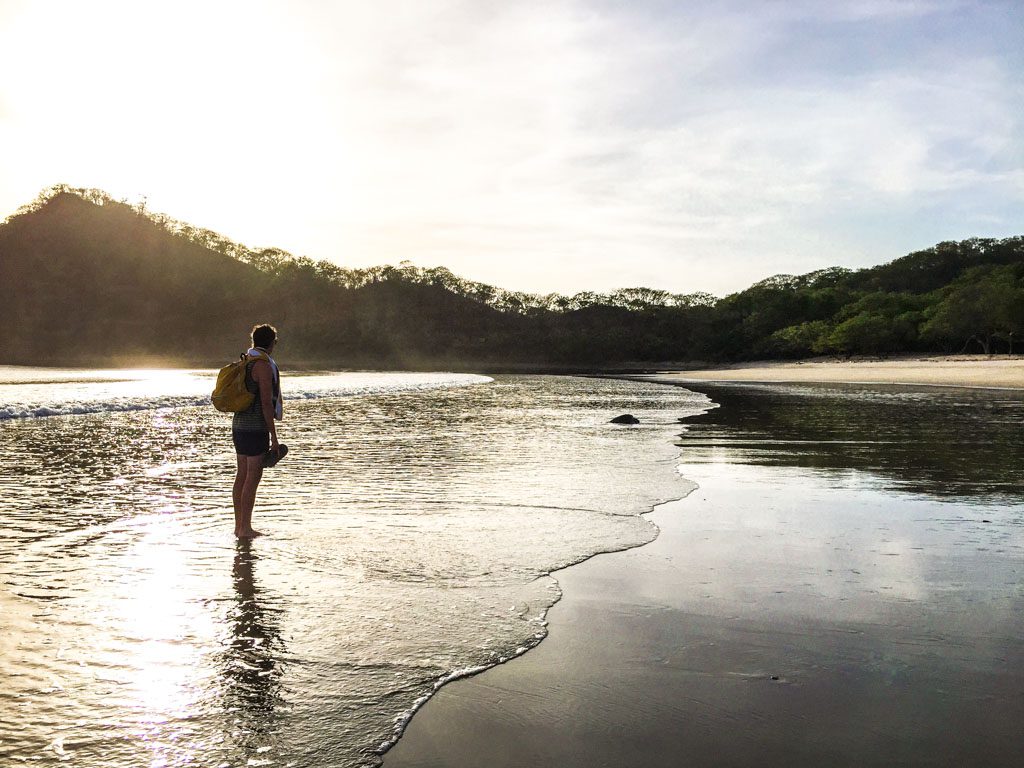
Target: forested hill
(85, 279)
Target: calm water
(865, 545)
(411, 533)
(963, 445)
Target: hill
(88, 279)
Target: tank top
(251, 419)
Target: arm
(280, 397)
(264, 376)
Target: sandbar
(953, 370)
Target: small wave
(31, 411)
(308, 388)
(540, 622)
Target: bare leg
(247, 499)
(236, 491)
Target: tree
(800, 340)
(984, 304)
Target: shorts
(250, 443)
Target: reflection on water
(864, 546)
(843, 588)
(411, 537)
(253, 658)
(958, 443)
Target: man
(253, 430)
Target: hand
(275, 446)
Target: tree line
(84, 277)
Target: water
(962, 445)
(412, 531)
(844, 588)
(865, 545)
(37, 392)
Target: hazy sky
(544, 146)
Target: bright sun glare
(123, 95)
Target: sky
(554, 146)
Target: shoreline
(996, 371)
(947, 371)
(387, 749)
(468, 673)
(727, 641)
(555, 575)
(389, 752)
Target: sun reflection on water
(251, 657)
(134, 632)
(156, 615)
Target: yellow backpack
(230, 394)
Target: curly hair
(263, 335)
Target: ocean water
(32, 392)
(845, 588)
(411, 535)
(960, 444)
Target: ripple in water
(412, 534)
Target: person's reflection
(252, 656)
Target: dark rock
(626, 418)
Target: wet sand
(792, 611)
(954, 370)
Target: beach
(409, 539)
(830, 574)
(843, 588)
(947, 370)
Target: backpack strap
(265, 358)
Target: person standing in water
(253, 430)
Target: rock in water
(626, 418)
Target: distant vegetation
(85, 278)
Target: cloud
(561, 145)
(860, 10)
(629, 139)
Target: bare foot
(249, 534)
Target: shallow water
(39, 392)
(844, 588)
(963, 445)
(411, 531)
(856, 557)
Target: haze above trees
(87, 279)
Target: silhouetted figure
(253, 430)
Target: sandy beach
(951, 370)
(825, 597)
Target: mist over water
(412, 530)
